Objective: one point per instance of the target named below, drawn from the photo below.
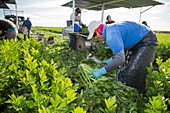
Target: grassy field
(59, 30)
(162, 32)
(50, 29)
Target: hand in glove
(107, 61)
(98, 72)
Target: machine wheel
(80, 44)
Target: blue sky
(51, 13)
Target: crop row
(38, 78)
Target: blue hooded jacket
(123, 35)
(28, 24)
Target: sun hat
(91, 28)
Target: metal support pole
(16, 15)
(143, 12)
(4, 12)
(140, 16)
(73, 16)
(102, 12)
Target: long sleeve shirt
(122, 36)
(27, 23)
(76, 18)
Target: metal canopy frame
(3, 6)
(11, 2)
(110, 4)
(8, 1)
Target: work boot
(24, 37)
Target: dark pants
(134, 72)
(72, 40)
(29, 30)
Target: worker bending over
(121, 36)
(8, 30)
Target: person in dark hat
(27, 27)
(109, 20)
(77, 17)
(145, 23)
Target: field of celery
(35, 78)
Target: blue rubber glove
(98, 72)
(107, 61)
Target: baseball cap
(11, 19)
(91, 28)
(78, 10)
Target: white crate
(66, 30)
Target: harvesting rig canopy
(3, 6)
(110, 4)
(79, 43)
(4, 2)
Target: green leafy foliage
(78, 110)
(85, 72)
(17, 102)
(48, 29)
(110, 105)
(156, 105)
(158, 80)
(84, 30)
(127, 98)
(39, 78)
(33, 80)
(163, 49)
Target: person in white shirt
(77, 17)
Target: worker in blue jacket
(129, 36)
(27, 27)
